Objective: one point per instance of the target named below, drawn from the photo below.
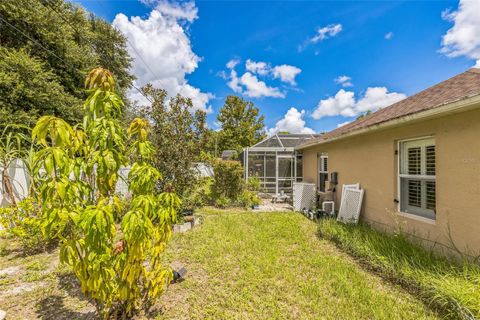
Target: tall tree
(241, 124)
(29, 89)
(55, 42)
(210, 144)
(178, 133)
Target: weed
(444, 284)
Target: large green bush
(248, 199)
(228, 182)
(23, 222)
(199, 194)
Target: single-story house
(418, 161)
(275, 162)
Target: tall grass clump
(448, 286)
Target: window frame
(402, 159)
(320, 167)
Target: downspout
(246, 164)
(276, 172)
(294, 167)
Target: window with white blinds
(417, 177)
(322, 172)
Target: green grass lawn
(450, 286)
(273, 266)
(241, 265)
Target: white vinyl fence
(21, 181)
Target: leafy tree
(116, 256)
(241, 124)
(210, 143)
(179, 133)
(28, 89)
(365, 114)
(112, 54)
(58, 42)
(228, 183)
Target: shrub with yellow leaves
(116, 256)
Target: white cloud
(250, 85)
(292, 122)
(323, 33)
(255, 88)
(232, 63)
(344, 80)
(286, 73)
(463, 39)
(261, 68)
(343, 123)
(477, 65)
(326, 32)
(377, 98)
(344, 103)
(160, 42)
(187, 10)
(234, 82)
(388, 35)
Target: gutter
(281, 149)
(458, 106)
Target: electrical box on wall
(334, 178)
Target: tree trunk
(7, 186)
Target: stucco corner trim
(417, 218)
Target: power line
(55, 55)
(134, 49)
(141, 92)
(60, 15)
(33, 40)
(51, 6)
(140, 56)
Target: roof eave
(462, 105)
(286, 149)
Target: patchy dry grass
(241, 265)
(273, 266)
(35, 287)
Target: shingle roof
(228, 154)
(459, 87)
(271, 142)
(288, 143)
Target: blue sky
(295, 52)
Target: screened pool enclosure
(275, 162)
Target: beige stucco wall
(371, 160)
